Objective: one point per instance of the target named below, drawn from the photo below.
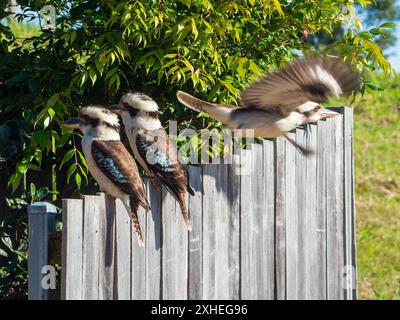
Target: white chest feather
(131, 133)
(266, 124)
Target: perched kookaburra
(109, 162)
(285, 99)
(152, 147)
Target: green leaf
(33, 167)
(67, 156)
(231, 88)
(42, 192)
(93, 76)
(72, 37)
(83, 173)
(78, 180)
(22, 168)
(99, 66)
(388, 25)
(71, 171)
(7, 242)
(170, 56)
(278, 7)
(373, 86)
(194, 29)
(32, 188)
(3, 253)
(51, 113)
(52, 100)
(83, 160)
(83, 79)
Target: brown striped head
(94, 117)
(137, 111)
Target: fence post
(41, 223)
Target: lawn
(377, 169)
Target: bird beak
(116, 108)
(72, 124)
(326, 113)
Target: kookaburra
(153, 148)
(109, 162)
(285, 99)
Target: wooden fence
(272, 225)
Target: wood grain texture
(215, 233)
(334, 204)
(268, 218)
(300, 196)
(339, 184)
(209, 212)
(321, 195)
(123, 232)
(259, 282)
(350, 274)
(233, 198)
(293, 235)
(280, 219)
(72, 255)
(107, 246)
(195, 288)
(153, 243)
(91, 252)
(222, 234)
(311, 232)
(175, 250)
(245, 225)
(138, 259)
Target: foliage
(382, 11)
(101, 49)
(378, 13)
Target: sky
(394, 58)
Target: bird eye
(84, 119)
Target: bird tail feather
(132, 208)
(185, 212)
(220, 112)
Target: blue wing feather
(157, 156)
(109, 164)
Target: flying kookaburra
(285, 99)
(109, 162)
(152, 147)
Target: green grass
(377, 170)
(25, 30)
